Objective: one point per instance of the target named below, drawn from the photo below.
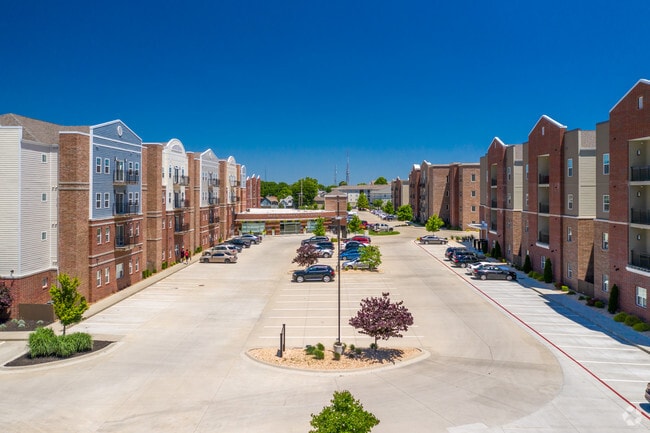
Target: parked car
(324, 252)
(353, 244)
(224, 247)
(432, 239)
(361, 238)
(451, 250)
(351, 254)
(647, 392)
(217, 257)
(355, 264)
(246, 243)
(464, 260)
(473, 266)
(327, 245)
(255, 239)
(315, 240)
(495, 273)
(239, 248)
(314, 273)
(381, 227)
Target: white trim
(641, 81)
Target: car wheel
(327, 256)
(300, 278)
(227, 260)
(349, 268)
(327, 278)
(509, 277)
(483, 277)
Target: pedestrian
(187, 256)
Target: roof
(38, 130)
(641, 81)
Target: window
(509, 198)
(605, 241)
(473, 193)
(107, 200)
(640, 102)
(99, 236)
(137, 168)
(99, 278)
(44, 282)
(641, 297)
(569, 234)
(569, 167)
(137, 229)
(473, 208)
(604, 285)
(163, 222)
(107, 275)
(119, 271)
(98, 200)
(526, 171)
(446, 207)
(44, 197)
(98, 165)
(44, 158)
(447, 193)
(543, 129)
(526, 200)
(605, 202)
(137, 198)
(509, 171)
(108, 234)
(107, 166)
(605, 163)
(43, 236)
(130, 267)
(569, 202)
(569, 271)
(137, 264)
(543, 262)
(473, 177)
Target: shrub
(571, 292)
(632, 320)
(599, 304)
(581, 298)
(309, 350)
(528, 266)
(319, 354)
(42, 342)
(82, 342)
(65, 347)
(164, 265)
(641, 327)
(320, 346)
(591, 302)
(620, 317)
(548, 271)
(564, 288)
(337, 356)
(5, 297)
(612, 305)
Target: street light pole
(338, 266)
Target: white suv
(230, 249)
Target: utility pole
(347, 169)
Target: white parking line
(614, 363)
(600, 348)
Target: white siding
(9, 200)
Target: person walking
(187, 256)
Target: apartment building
(451, 191)
(399, 192)
(622, 227)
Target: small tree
(528, 266)
(434, 223)
(69, 304)
(405, 213)
(362, 201)
(319, 227)
(381, 180)
(307, 255)
(612, 305)
(497, 250)
(345, 415)
(371, 255)
(377, 203)
(354, 226)
(5, 302)
(548, 271)
(380, 318)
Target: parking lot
(500, 356)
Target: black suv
(314, 273)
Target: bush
(641, 327)
(564, 288)
(320, 346)
(65, 347)
(164, 265)
(337, 356)
(620, 317)
(632, 320)
(528, 266)
(612, 305)
(599, 304)
(548, 271)
(319, 354)
(82, 342)
(42, 342)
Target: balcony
(640, 174)
(213, 200)
(126, 176)
(126, 208)
(639, 216)
(181, 180)
(178, 203)
(640, 259)
(213, 182)
(543, 208)
(179, 228)
(543, 238)
(213, 219)
(125, 242)
(543, 179)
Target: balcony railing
(178, 203)
(543, 207)
(640, 259)
(639, 216)
(126, 208)
(126, 176)
(543, 179)
(124, 241)
(543, 237)
(213, 182)
(178, 227)
(182, 180)
(640, 174)
(213, 200)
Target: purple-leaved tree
(381, 318)
(307, 255)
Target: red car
(363, 239)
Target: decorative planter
(338, 348)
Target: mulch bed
(30, 325)
(27, 360)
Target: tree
(5, 302)
(370, 254)
(354, 225)
(434, 223)
(362, 201)
(69, 305)
(528, 266)
(496, 251)
(307, 188)
(344, 415)
(548, 271)
(612, 305)
(380, 318)
(388, 207)
(377, 203)
(307, 255)
(405, 213)
(319, 228)
(381, 180)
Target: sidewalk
(107, 302)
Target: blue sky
(291, 88)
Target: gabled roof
(549, 119)
(38, 130)
(641, 81)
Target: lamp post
(338, 266)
